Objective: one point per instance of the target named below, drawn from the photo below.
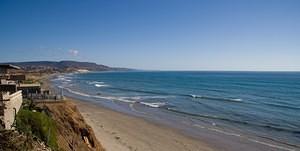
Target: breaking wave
(94, 82)
(62, 78)
(238, 100)
(97, 83)
(216, 98)
(121, 99)
(154, 105)
(100, 85)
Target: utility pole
(62, 93)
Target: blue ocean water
(264, 105)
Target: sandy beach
(117, 131)
(120, 132)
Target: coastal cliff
(56, 126)
(72, 131)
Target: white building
(10, 98)
(10, 104)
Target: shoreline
(117, 131)
(138, 133)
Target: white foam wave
(121, 99)
(216, 98)
(125, 100)
(100, 97)
(78, 93)
(59, 79)
(154, 105)
(195, 96)
(60, 86)
(156, 97)
(62, 78)
(138, 98)
(237, 100)
(135, 97)
(94, 82)
(100, 85)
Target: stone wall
(12, 104)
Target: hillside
(61, 66)
(72, 131)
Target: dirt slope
(73, 132)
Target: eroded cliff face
(72, 131)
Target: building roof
(9, 66)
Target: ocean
(262, 107)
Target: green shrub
(29, 81)
(39, 125)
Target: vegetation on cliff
(53, 125)
(38, 124)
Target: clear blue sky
(155, 34)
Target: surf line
(133, 109)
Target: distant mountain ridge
(62, 66)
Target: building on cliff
(10, 97)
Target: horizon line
(170, 70)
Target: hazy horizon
(176, 35)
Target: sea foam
(154, 105)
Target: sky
(252, 35)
